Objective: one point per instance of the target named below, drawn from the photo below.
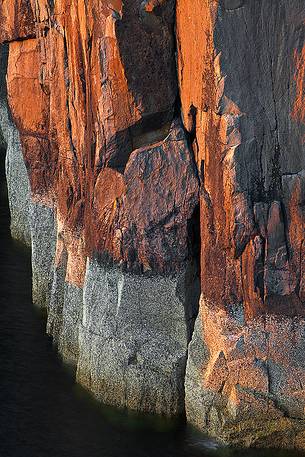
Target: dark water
(43, 413)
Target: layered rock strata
(123, 118)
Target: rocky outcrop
(92, 91)
(245, 379)
(241, 77)
(125, 117)
(17, 178)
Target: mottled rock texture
(164, 147)
(17, 178)
(245, 379)
(114, 191)
(241, 78)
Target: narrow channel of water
(43, 413)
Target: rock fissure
(164, 162)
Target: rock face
(114, 191)
(241, 77)
(155, 153)
(17, 178)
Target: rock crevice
(155, 153)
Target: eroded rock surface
(245, 380)
(17, 178)
(128, 116)
(92, 91)
(241, 77)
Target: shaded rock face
(113, 191)
(241, 77)
(139, 133)
(249, 144)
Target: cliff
(155, 164)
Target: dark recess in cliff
(3, 70)
(195, 249)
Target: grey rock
(64, 313)
(134, 339)
(43, 250)
(197, 402)
(56, 302)
(16, 174)
(71, 320)
(232, 5)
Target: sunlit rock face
(134, 127)
(19, 195)
(114, 191)
(241, 77)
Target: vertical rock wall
(129, 116)
(17, 178)
(92, 91)
(241, 77)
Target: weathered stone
(114, 181)
(43, 237)
(112, 176)
(134, 337)
(71, 321)
(143, 218)
(244, 382)
(17, 178)
(237, 103)
(17, 20)
(241, 78)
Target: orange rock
(28, 103)
(17, 20)
(243, 156)
(298, 111)
(90, 108)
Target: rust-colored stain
(298, 111)
(81, 109)
(125, 132)
(92, 89)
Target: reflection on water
(43, 413)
